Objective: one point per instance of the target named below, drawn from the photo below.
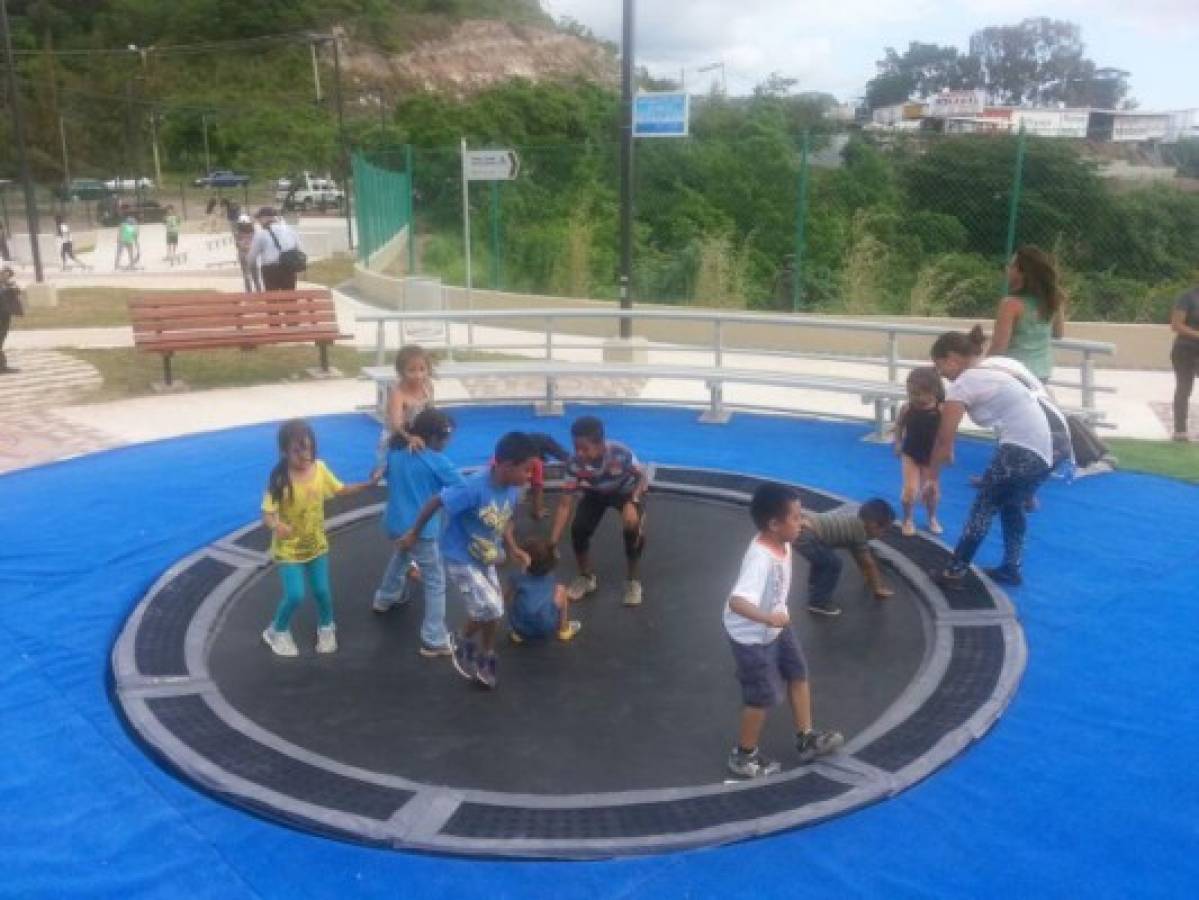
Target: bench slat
(204, 308)
(257, 320)
(235, 341)
(190, 297)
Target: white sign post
(481, 165)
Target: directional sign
(491, 165)
(661, 114)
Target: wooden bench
(883, 396)
(209, 320)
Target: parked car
(82, 189)
(306, 191)
(222, 178)
(111, 211)
(129, 184)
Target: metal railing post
(1087, 372)
(718, 342)
(892, 357)
(549, 337)
(379, 343)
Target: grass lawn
(1157, 457)
(132, 373)
(97, 307)
(330, 271)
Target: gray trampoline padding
(611, 744)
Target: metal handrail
(718, 346)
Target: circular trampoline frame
(974, 657)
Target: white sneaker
(326, 639)
(280, 642)
(581, 586)
(632, 593)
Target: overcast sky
(832, 46)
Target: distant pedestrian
(232, 215)
(66, 245)
(243, 237)
(1032, 314)
(276, 247)
(127, 242)
(171, 221)
(10, 305)
(1184, 321)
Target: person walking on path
(127, 242)
(66, 244)
(994, 399)
(243, 237)
(212, 223)
(171, 221)
(1184, 322)
(271, 248)
(1032, 314)
(10, 305)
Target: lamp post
(144, 54)
(712, 67)
(343, 150)
(18, 127)
(626, 167)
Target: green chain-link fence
(382, 205)
(889, 223)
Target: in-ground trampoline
(611, 744)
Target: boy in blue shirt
(538, 606)
(480, 513)
(412, 478)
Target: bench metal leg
(716, 414)
(166, 369)
(324, 349)
(551, 406)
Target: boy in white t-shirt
(765, 648)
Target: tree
(922, 70)
(1042, 60)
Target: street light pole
(18, 127)
(626, 168)
(207, 155)
(341, 139)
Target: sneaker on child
(573, 627)
(752, 764)
(280, 642)
(812, 744)
(463, 657)
(326, 639)
(582, 586)
(432, 651)
(485, 672)
(825, 609)
(632, 593)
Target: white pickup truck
(307, 192)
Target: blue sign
(661, 114)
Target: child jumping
(537, 605)
(915, 433)
(413, 391)
(767, 653)
(412, 478)
(293, 508)
(480, 512)
(601, 474)
(824, 533)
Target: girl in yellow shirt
(293, 508)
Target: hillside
(479, 54)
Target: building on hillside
(1054, 123)
(957, 104)
(1184, 125)
(901, 115)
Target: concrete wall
(1137, 346)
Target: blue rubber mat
(1087, 786)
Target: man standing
(271, 248)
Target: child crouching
(538, 606)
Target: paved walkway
(39, 422)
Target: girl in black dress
(915, 433)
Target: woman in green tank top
(1032, 314)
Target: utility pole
(207, 155)
(144, 54)
(66, 165)
(316, 75)
(626, 168)
(18, 127)
(341, 139)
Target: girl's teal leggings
(316, 571)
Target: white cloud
(832, 46)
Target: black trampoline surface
(611, 744)
(642, 698)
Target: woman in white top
(994, 399)
(66, 245)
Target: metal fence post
(1087, 371)
(549, 337)
(1014, 208)
(892, 357)
(495, 235)
(410, 211)
(801, 217)
(717, 343)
